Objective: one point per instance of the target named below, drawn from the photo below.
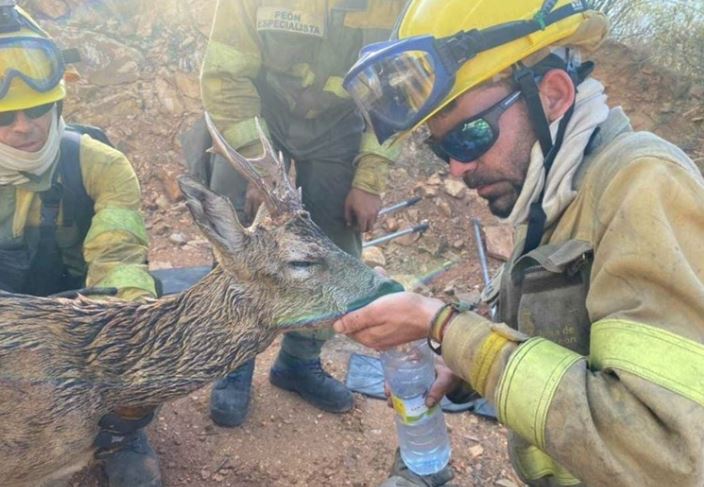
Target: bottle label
(411, 410)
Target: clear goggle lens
(35, 61)
(395, 89)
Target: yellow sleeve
(232, 62)
(632, 413)
(115, 248)
(373, 163)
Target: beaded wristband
(437, 326)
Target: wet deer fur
(64, 363)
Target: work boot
(307, 378)
(229, 399)
(134, 464)
(402, 476)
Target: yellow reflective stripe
(223, 58)
(334, 86)
(535, 464)
(528, 385)
(116, 220)
(129, 276)
(659, 356)
(481, 368)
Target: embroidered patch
(285, 20)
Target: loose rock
(456, 189)
(373, 257)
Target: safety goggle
(473, 137)
(36, 61)
(397, 84)
(8, 118)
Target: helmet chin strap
(526, 80)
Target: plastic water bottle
(409, 371)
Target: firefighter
(596, 365)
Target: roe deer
(64, 363)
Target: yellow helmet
(31, 66)
(443, 48)
(442, 18)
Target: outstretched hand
(391, 320)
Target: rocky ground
(139, 81)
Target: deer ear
(214, 215)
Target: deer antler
(280, 197)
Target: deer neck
(178, 344)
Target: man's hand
(252, 202)
(390, 320)
(445, 382)
(362, 209)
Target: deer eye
(302, 264)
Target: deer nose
(387, 286)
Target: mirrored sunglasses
(473, 137)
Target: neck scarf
(590, 110)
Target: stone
(456, 189)
(105, 61)
(373, 257)
(444, 207)
(407, 240)
(476, 451)
(434, 246)
(499, 241)
(391, 224)
(168, 97)
(435, 180)
(428, 191)
(178, 239)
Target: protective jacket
(601, 377)
(285, 60)
(112, 252)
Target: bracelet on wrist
(438, 324)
